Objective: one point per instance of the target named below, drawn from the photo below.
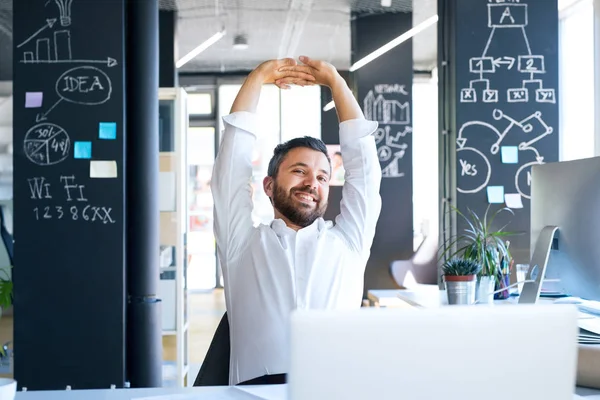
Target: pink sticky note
(33, 99)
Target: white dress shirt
(270, 270)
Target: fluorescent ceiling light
(400, 39)
(386, 3)
(387, 47)
(205, 45)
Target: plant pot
(460, 289)
(485, 288)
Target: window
(283, 115)
(576, 102)
(425, 159)
(199, 104)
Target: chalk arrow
(110, 62)
(507, 60)
(44, 116)
(461, 142)
(49, 24)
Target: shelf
(173, 202)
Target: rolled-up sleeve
(361, 202)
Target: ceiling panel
(274, 28)
(279, 28)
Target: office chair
(421, 269)
(215, 368)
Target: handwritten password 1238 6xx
(82, 210)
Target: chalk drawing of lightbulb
(64, 6)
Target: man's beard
(296, 212)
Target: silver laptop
(459, 352)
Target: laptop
(457, 352)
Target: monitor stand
(537, 267)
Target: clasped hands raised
(285, 72)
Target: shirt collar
(281, 229)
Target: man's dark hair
(282, 149)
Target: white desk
(200, 393)
(429, 296)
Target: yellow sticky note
(103, 169)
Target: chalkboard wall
(506, 61)
(69, 194)
(384, 91)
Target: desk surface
(201, 393)
(205, 393)
(429, 296)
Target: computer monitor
(567, 195)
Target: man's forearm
(345, 103)
(249, 94)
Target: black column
(499, 90)
(384, 90)
(167, 22)
(144, 346)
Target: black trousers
(274, 379)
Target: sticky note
(107, 130)
(510, 154)
(33, 99)
(495, 194)
(83, 150)
(103, 169)
(513, 200)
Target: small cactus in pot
(460, 279)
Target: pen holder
(502, 283)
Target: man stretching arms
(299, 261)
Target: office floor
(206, 311)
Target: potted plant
(460, 280)
(483, 244)
(6, 300)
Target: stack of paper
(589, 330)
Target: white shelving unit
(173, 288)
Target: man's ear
(268, 186)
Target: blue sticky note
(510, 154)
(495, 194)
(33, 99)
(107, 130)
(83, 150)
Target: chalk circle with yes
(46, 144)
(474, 170)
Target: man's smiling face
(300, 190)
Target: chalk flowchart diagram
(508, 16)
(474, 165)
